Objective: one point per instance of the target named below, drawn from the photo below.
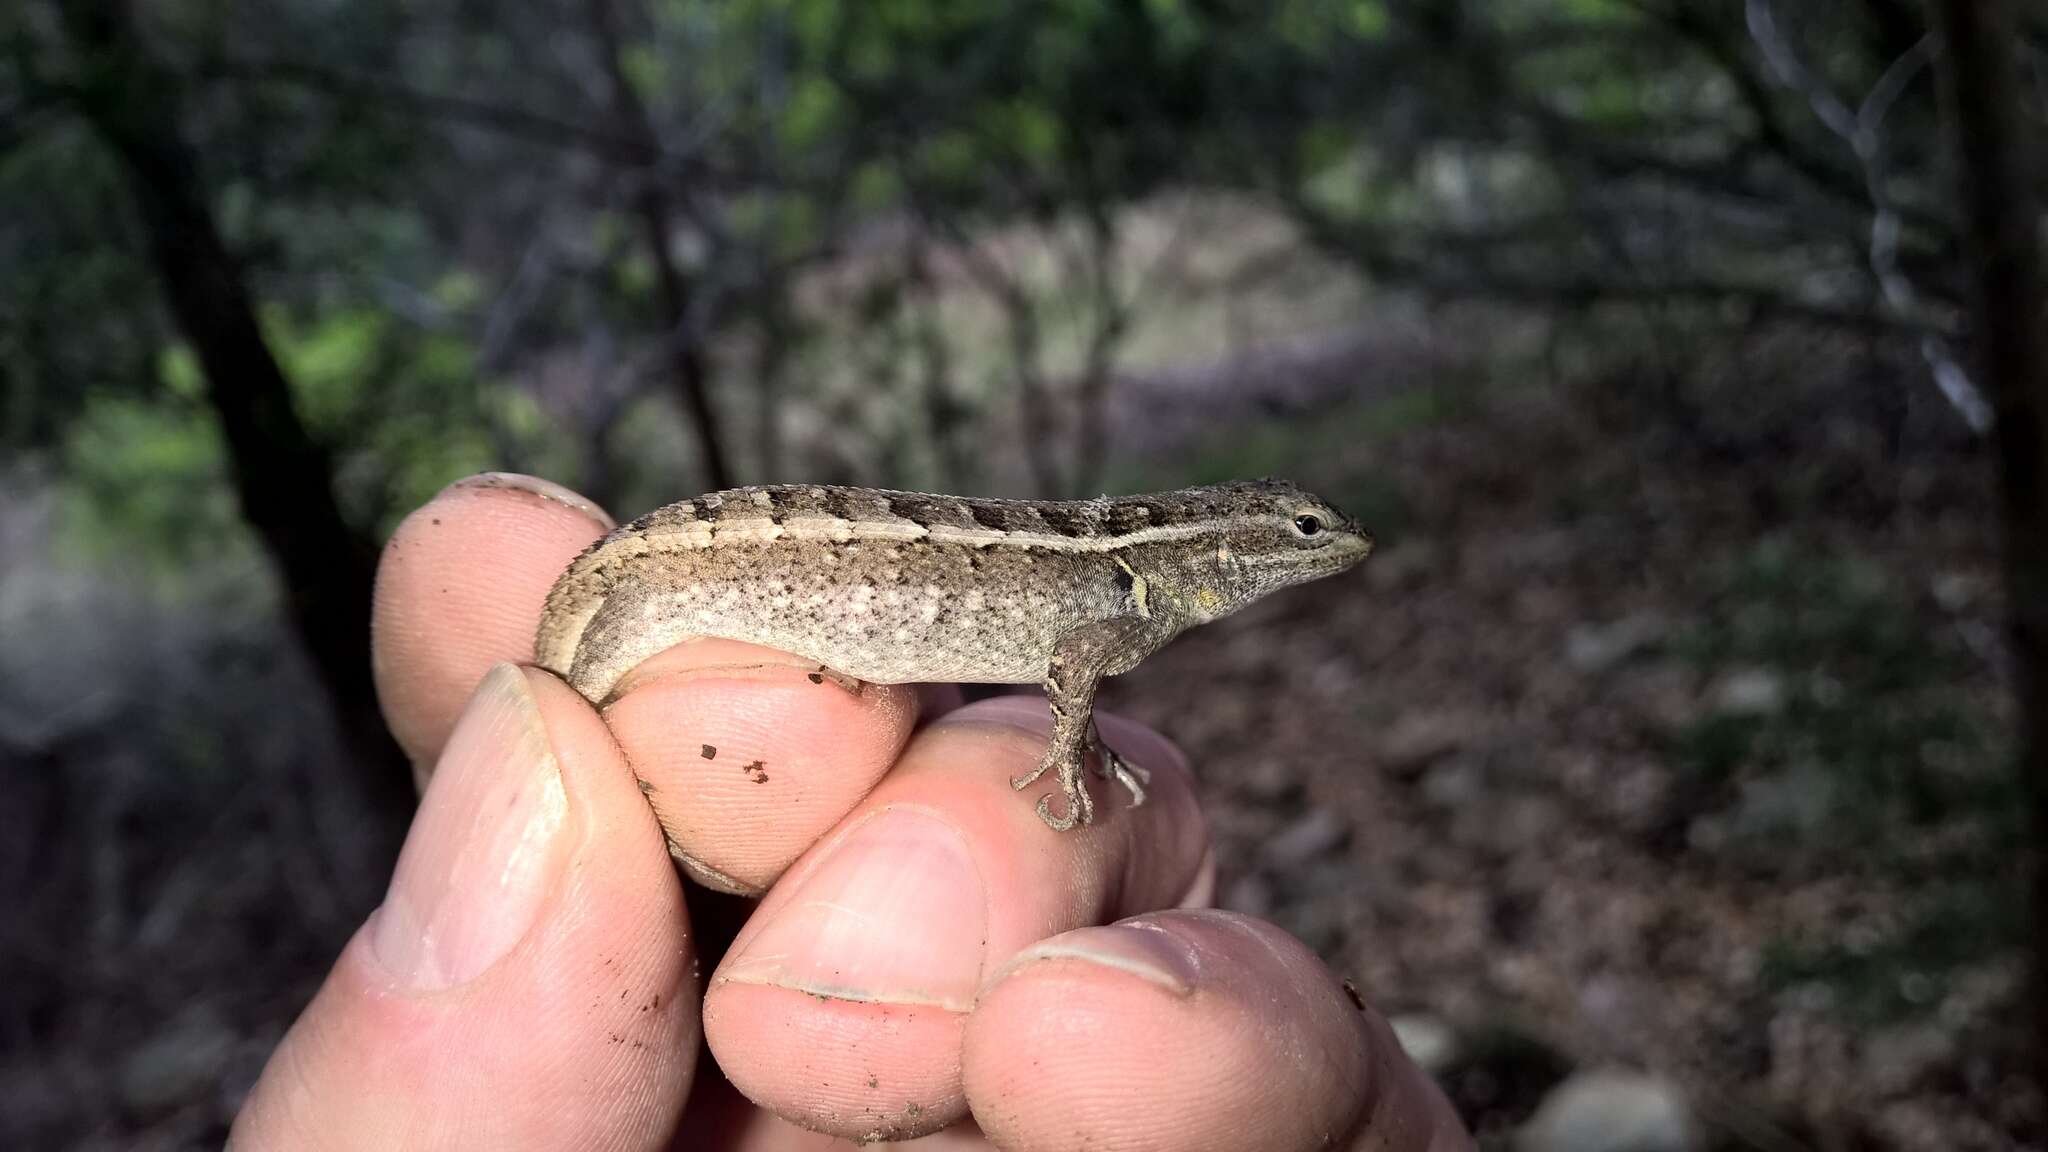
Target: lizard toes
(1058, 823)
(1029, 778)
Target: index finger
(459, 589)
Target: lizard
(890, 587)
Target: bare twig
(503, 119)
(1863, 131)
(510, 310)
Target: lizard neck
(1188, 583)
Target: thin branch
(441, 107)
(1378, 257)
(1863, 131)
(516, 300)
(1772, 131)
(21, 121)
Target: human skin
(924, 959)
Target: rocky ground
(1650, 773)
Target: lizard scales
(895, 587)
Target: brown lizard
(895, 587)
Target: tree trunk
(282, 477)
(2010, 325)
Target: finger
(529, 980)
(842, 1002)
(1191, 1030)
(459, 589)
(749, 755)
(719, 1118)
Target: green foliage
(329, 361)
(1869, 700)
(403, 407)
(815, 111)
(145, 483)
(146, 477)
(1876, 763)
(1905, 971)
(77, 309)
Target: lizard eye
(1308, 524)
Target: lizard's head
(1268, 535)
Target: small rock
(1596, 648)
(1612, 1110)
(1428, 1040)
(1404, 565)
(1750, 692)
(177, 1064)
(1250, 894)
(1454, 784)
(1421, 737)
(1896, 1060)
(1270, 779)
(1315, 834)
(1666, 693)
(1957, 591)
(1795, 801)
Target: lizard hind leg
(1073, 726)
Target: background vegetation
(1683, 354)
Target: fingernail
(1138, 949)
(482, 853)
(896, 914)
(710, 877)
(535, 486)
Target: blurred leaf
(459, 290)
(145, 486)
(812, 113)
(1368, 19)
(876, 186)
(328, 363)
(645, 70)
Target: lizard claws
(1073, 786)
(1059, 823)
(1132, 777)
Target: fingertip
(522, 486)
(1188, 1029)
(459, 588)
(856, 1069)
(747, 755)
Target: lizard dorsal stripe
(798, 514)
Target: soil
(1472, 774)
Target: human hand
(925, 953)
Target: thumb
(529, 981)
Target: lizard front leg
(1079, 662)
